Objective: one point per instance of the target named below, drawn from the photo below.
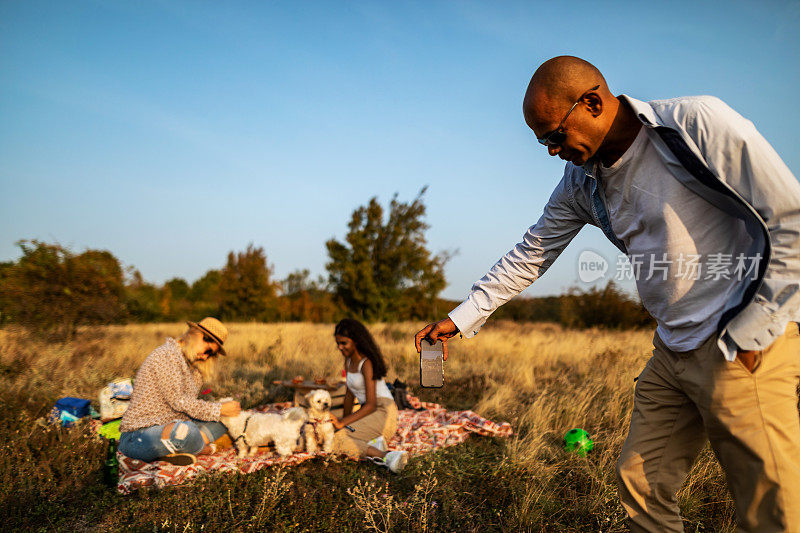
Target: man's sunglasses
(557, 136)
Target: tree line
(381, 271)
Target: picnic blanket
(418, 431)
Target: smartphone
(431, 365)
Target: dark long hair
(365, 344)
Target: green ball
(578, 441)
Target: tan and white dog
(249, 430)
(319, 426)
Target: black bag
(399, 391)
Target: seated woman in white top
(365, 432)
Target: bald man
(709, 217)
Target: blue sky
(173, 132)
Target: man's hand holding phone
(438, 331)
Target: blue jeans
(186, 436)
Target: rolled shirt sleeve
(179, 397)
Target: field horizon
(542, 378)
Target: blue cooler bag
(71, 409)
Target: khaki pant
(683, 399)
(382, 421)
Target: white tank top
(355, 382)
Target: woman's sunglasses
(556, 136)
(211, 351)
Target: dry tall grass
(542, 378)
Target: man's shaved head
(556, 84)
(569, 96)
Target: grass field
(541, 378)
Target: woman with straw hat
(165, 419)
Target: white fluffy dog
(319, 427)
(249, 430)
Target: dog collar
(314, 421)
(244, 430)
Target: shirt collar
(643, 110)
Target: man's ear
(593, 103)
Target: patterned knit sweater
(165, 390)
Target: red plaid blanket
(417, 432)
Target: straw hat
(214, 329)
